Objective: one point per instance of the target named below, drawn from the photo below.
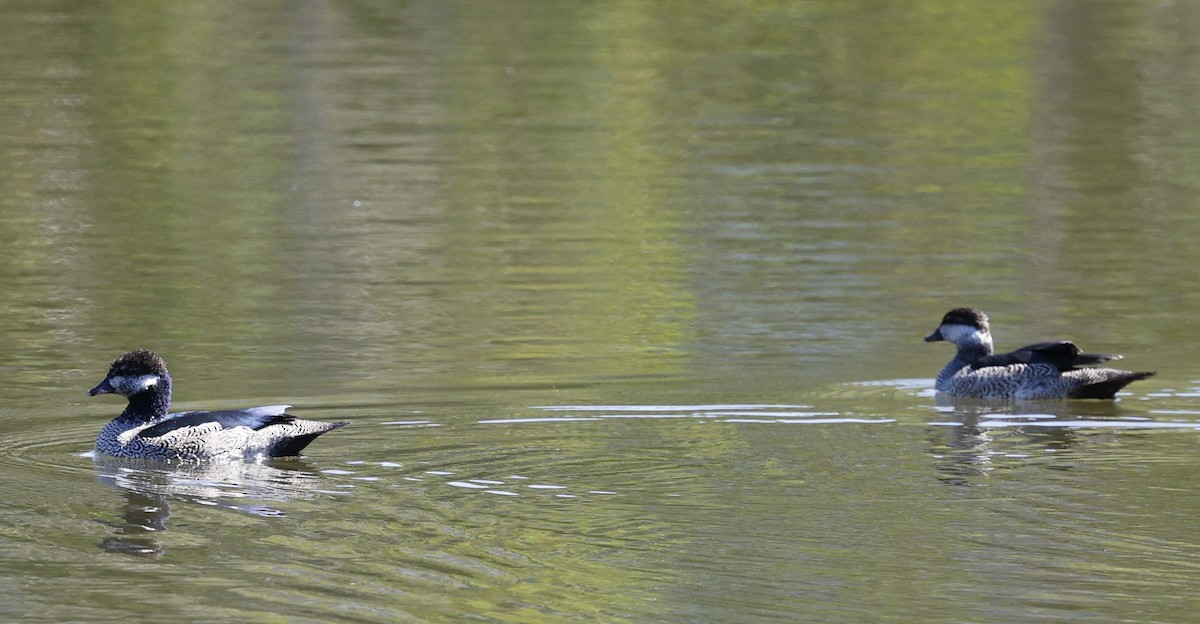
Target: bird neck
(968, 351)
(978, 345)
(151, 403)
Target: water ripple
(735, 413)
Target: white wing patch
(267, 410)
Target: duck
(145, 430)
(1040, 371)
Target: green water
(624, 303)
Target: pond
(624, 304)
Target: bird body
(1045, 370)
(146, 430)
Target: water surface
(624, 304)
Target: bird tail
(292, 445)
(1107, 388)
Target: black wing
(253, 418)
(1063, 355)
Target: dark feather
(138, 361)
(1063, 355)
(971, 317)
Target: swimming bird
(146, 431)
(1046, 370)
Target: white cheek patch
(133, 385)
(957, 333)
(142, 382)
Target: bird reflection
(150, 488)
(966, 450)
